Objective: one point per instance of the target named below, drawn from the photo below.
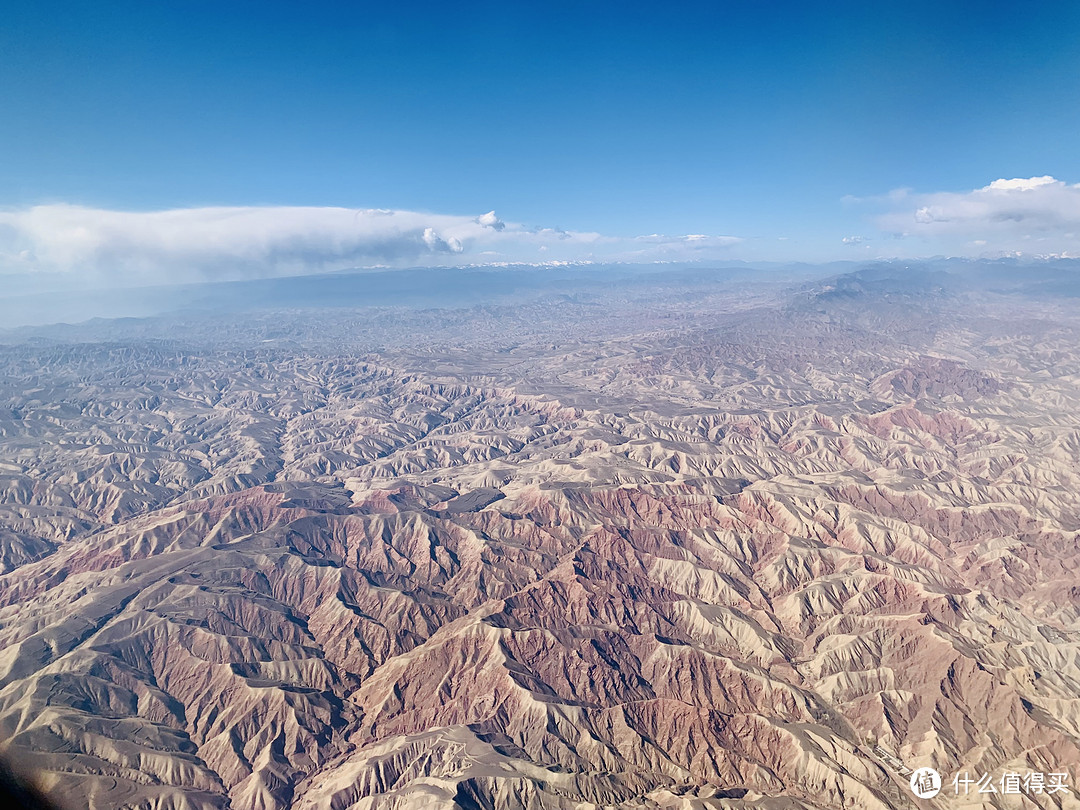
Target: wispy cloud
(1034, 216)
(691, 245)
(100, 247)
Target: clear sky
(764, 130)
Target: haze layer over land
(650, 539)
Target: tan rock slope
(720, 557)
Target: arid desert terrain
(681, 540)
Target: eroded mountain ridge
(723, 556)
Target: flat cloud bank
(95, 248)
(98, 248)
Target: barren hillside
(684, 545)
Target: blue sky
(762, 130)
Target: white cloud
(996, 218)
(99, 247)
(489, 220)
(691, 245)
(436, 244)
(197, 243)
(1022, 183)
